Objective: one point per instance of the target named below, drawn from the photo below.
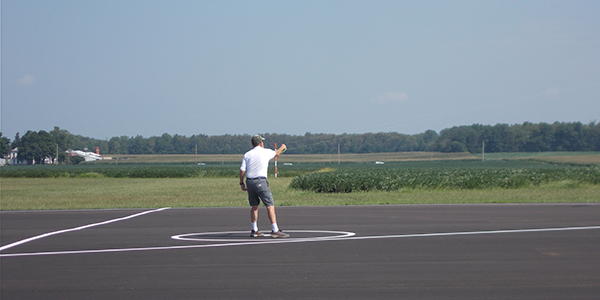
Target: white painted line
(41, 236)
(272, 241)
(471, 233)
(214, 236)
(301, 240)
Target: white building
(11, 159)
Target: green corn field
(350, 180)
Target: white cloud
(391, 97)
(27, 80)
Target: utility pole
(339, 155)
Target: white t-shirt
(256, 162)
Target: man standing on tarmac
(254, 166)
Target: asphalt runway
(503, 251)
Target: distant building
(11, 159)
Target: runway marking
(206, 236)
(41, 236)
(474, 232)
(301, 240)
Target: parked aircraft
(88, 156)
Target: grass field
(576, 157)
(552, 157)
(95, 192)
(291, 158)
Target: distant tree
(36, 146)
(498, 138)
(64, 141)
(81, 143)
(74, 160)
(181, 144)
(4, 145)
(593, 135)
(114, 145)
(138, 145)
(16, 142)
(540, 137)
(429, 138)
(458, 139)
(201, 141)
(566, 136)
(164, 144)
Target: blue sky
(126, 68)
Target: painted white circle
(221, 236)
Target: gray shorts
(258, 189)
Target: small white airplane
(88, 156)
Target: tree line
(526, 137)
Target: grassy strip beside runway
(96, 193)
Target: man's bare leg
(254, 214)
(272, 216)
(275, 232)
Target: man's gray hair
(257, 139)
